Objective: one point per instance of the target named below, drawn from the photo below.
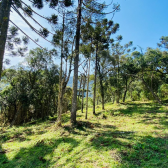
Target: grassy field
(125, 135)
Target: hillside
(125, 135)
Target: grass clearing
(133, 135)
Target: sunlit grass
(133, 134)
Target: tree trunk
(95, 79)
(16, 115)
(118, 92)
(81, 80)
(60, 96)
(151, 90)
(76, 60)
(102, 90)
(60, 110)
(101, 83)
(127, 87)
(84, 82)
(87, 90)
(102, 99)
(125, 91)
(4, 22)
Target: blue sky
(141, 21)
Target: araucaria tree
(64, 39)
(19, 6)
(85, 7)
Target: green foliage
(14, 41)
(32, 91)
(67, 3)
(163, 91)
(163, 42)
(38, 4)
(86, 50)
(135, 96)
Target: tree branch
(26, 35)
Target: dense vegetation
(113, 117)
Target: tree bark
(118, 92)
(60, 97)
(101, 85)
(102, 93)
(81, 80)
(76, 60)
(95, 79)
(4, 23)
(84, 82)
(125, 91)
(87, 93)
(127, 87)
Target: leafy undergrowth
(134, 135)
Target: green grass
(133, 135)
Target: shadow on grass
(149, 113)
(20, 135)
(147, 152)
(136, 151)
(97, 113)
(132, 150)
(87, 127)
(40, 155)
(3, 158)
(131, 108)
(80, 126)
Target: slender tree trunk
(87, 89)
(118, 92)
(60, 111)
(101, 86)
(76, 60)
(60, 96)
(4, 22)
(95, 79)
(127, 87)
(81, 80)
(125, 91)
(84, 82)
(102, 94)
(151, 90)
